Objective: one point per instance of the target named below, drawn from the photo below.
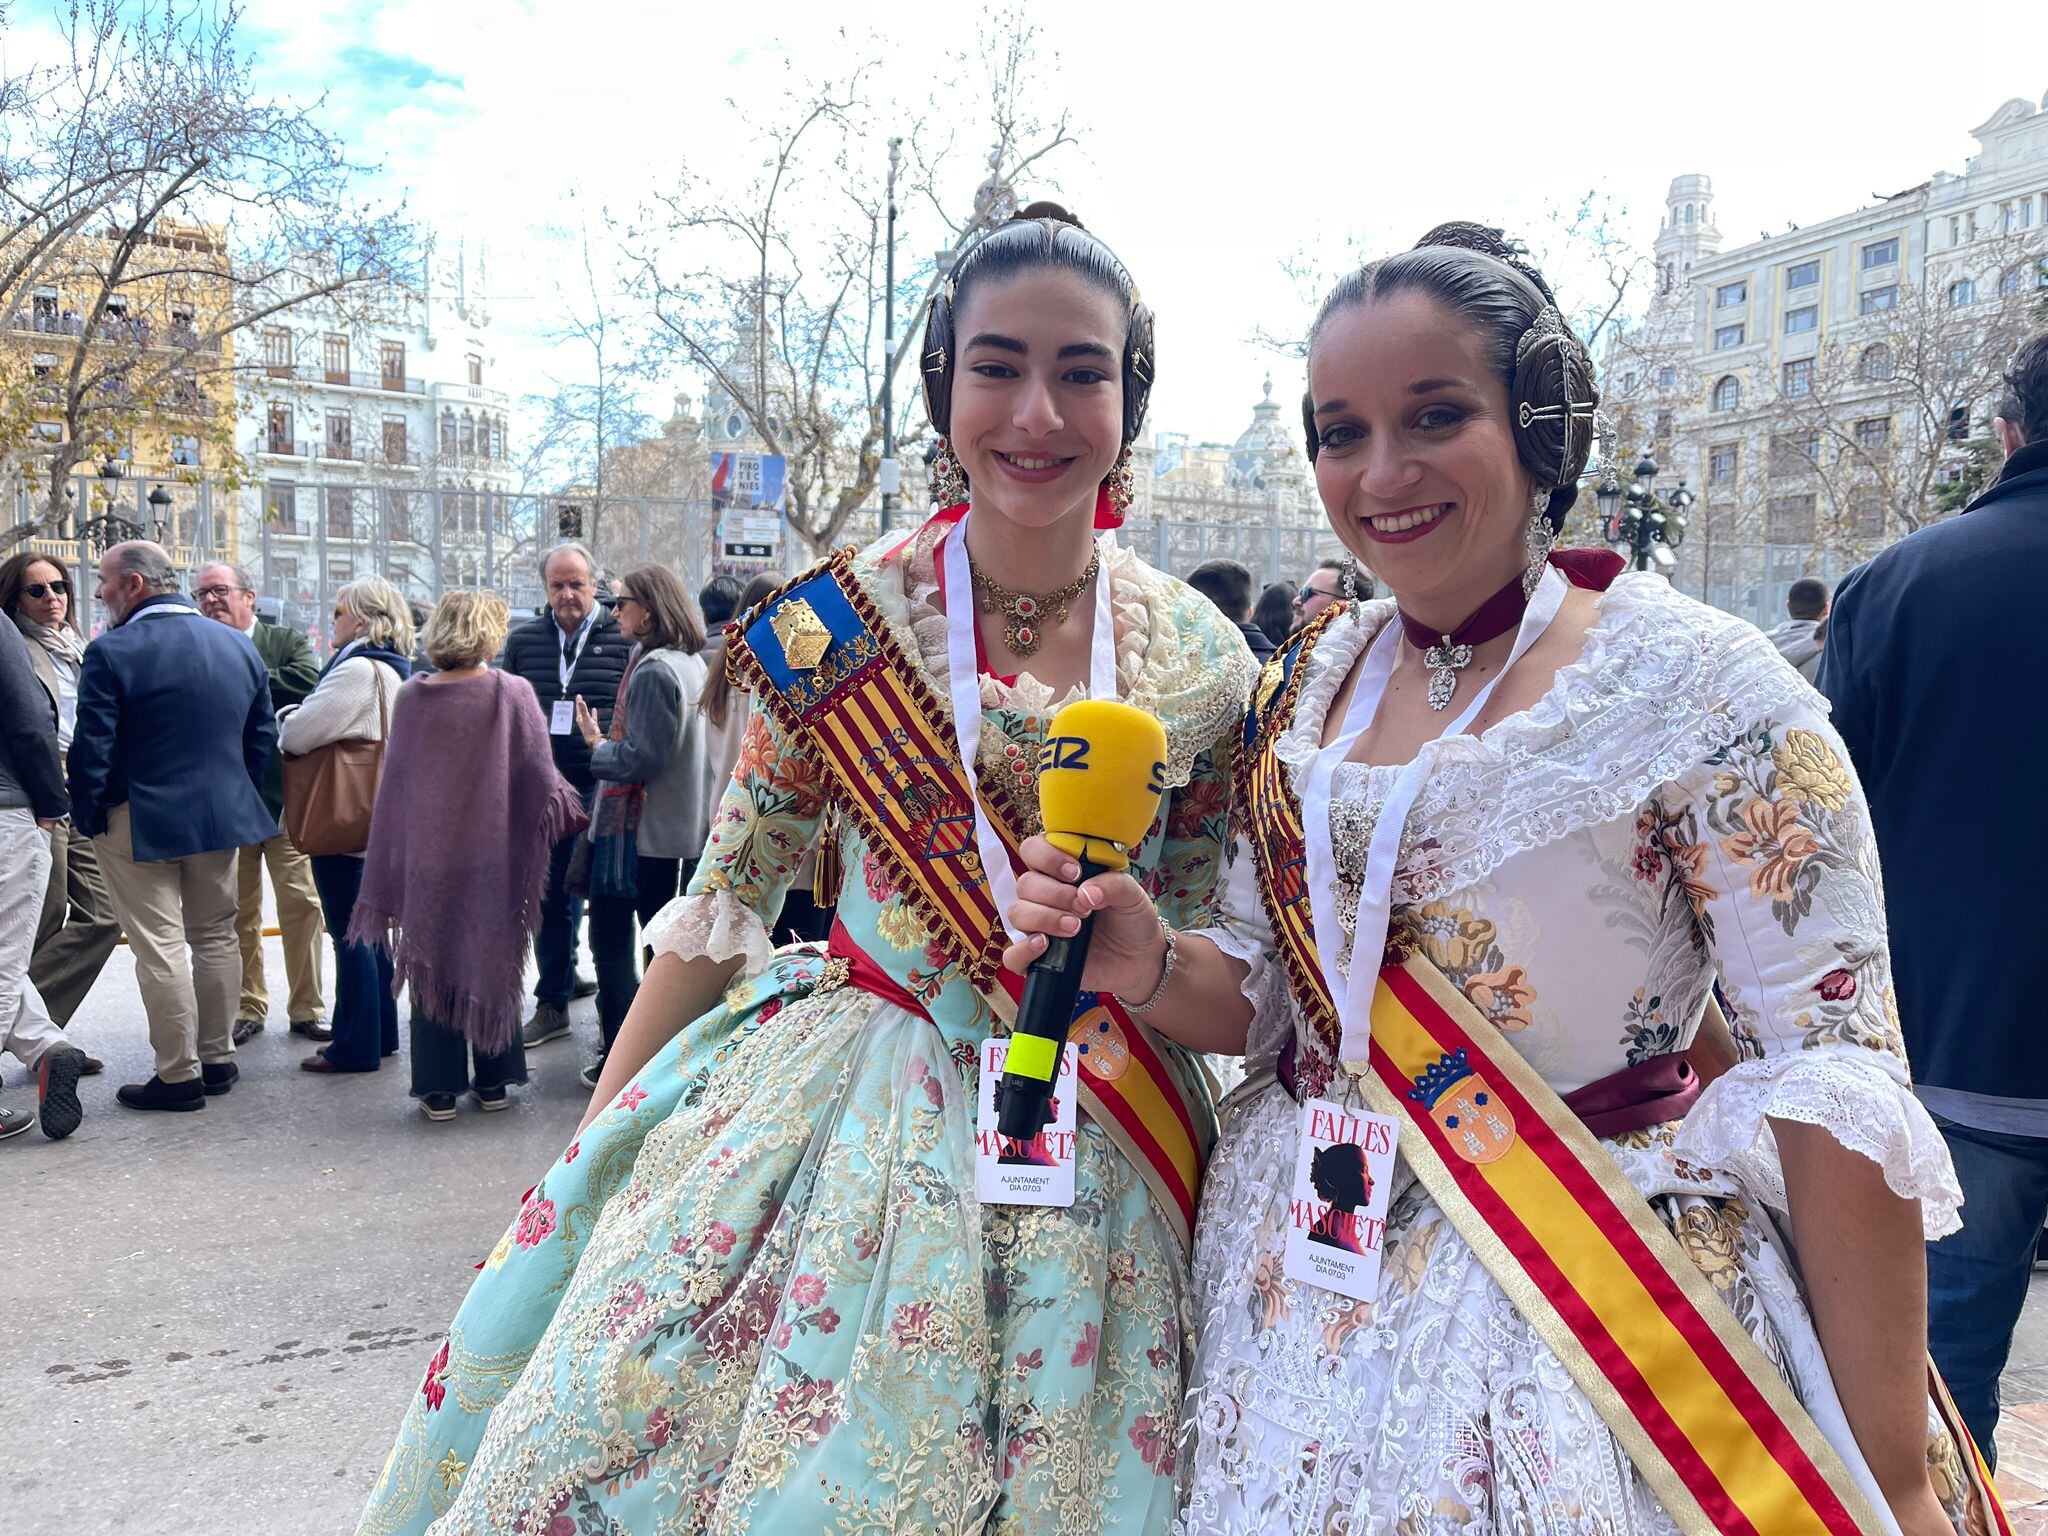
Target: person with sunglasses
(1323, 587)
(31, 803)
(77, 929)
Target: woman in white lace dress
(1649, 802)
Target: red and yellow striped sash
(879, 735)
(1699, 1408)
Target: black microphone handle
(1051, 985)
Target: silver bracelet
(1165, 976)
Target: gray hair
(139, 557)
(243, 578)
(569, 547)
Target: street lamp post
(891, 475)
(1645, 527)
(159, 512)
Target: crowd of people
(1576, 1178)
(153, 776)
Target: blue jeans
(554, 946)
(365, 1012)
(1977, 1278)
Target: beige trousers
(298, 919)
(77, 930)
(179, 915)
(26, 1028)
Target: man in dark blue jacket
(1928, 654)
(174, 730)
(572, 651)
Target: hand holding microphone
(1100, 779)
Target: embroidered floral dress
(759, 1293)
(1674, 811)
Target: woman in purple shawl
(468, 808)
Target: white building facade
(378, 442)
(1815, 388)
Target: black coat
(28, 732)
(1932, 652)
(1261, 646)
(533, 651)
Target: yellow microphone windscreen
(1101, 772)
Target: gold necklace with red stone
(1026, 613)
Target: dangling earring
(1347, 584)
(1114, 501)
(1536, 541)
(947, 479)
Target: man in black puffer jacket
(573, 649)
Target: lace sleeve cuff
(715, 925)
(1243, 934)
(1850, 1093)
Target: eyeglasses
(1301, 598)
(42, 589)
(218, 591)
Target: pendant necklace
(1446, 655)
(1026, 613)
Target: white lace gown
(1675, 810)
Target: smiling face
(222, 598)
(1038, 394)
(1417, 465)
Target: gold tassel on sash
(827, 868)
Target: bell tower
(1686, 235)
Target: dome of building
(1268, 453)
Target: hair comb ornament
(1549, 330)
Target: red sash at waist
(1646, 1094)
(864, 973)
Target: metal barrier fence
(302, 543)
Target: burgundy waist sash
(1646, 1094)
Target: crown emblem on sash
(1437, 1080)
(801, 633)
(1476, 1124)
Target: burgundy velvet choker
(1445, 655)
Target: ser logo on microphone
(1071, 752)
(1063, 752)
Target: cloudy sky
(1222, 146)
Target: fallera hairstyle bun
(1041, 235)
(1481, 275)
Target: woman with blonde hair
(470, 806)
(353, 702)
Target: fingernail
(1070, 925)
(1094, 895)
(1070, 871)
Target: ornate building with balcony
(1823, 389)
(376, 439)
(118, 388)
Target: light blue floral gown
(759, 1293)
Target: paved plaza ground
(211, 1323)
